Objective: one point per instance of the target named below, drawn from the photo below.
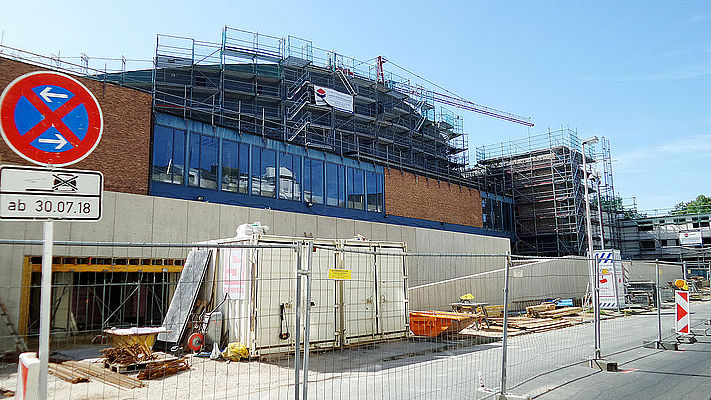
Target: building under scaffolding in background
(544, 175)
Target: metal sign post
(45, 302)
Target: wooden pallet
(139, 366)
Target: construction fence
(276, 317)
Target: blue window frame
(356, 189)
(203, 161)
(313, 181)
(168, 155)
(234, 178)
(289, 177)
(263, 172)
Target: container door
(323, 332)
(275, 287)
(359, 296)
(391, 292)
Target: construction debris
(168, 368)
(127, 354)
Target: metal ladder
(20, 344)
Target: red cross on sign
(50, 118)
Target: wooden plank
(99, 373)
(67, 374)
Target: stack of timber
(98, 373)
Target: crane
(448, 98)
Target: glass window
(268, 171)
(230, 166)
(208, 162)
(256, 178)
(486, 212)
(168, 155)
(194, 172)
(355, 189)
(263, 172)
(289, 177)
(244, 168)
(381, 192)
(372, 194)
(162, 154)
(341, 186)
(317, 181)
(332, 184)
(497, 215)
(178, 165)
(313, 181)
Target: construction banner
(340, 101)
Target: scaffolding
(543, 173)
(264, 85)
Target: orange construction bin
(435, 323)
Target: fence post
(659, 306)
(506, 324)
(686, 276)
(307, 317)
(297, 328)
(596, 300)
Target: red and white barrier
(682, 312)
(27, 376)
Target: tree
(702, 204)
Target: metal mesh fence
(310, 318)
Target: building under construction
(544, 175)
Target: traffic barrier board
(49, 118)
(682, 312)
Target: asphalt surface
(644, 373)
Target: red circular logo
(50, 118)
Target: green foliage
(702, 204)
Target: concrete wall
(539, 280)
(139, 218)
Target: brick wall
(414, 196)
(124, 151)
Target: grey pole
(297, 327)
(659, 308)
(45, 305)
(685, 273)
(307, 331)
(597, 311)
(504, 341)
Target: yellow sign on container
(340, 274)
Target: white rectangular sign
(333, 98)
(34, 193)
(690, 238)
(609, 266)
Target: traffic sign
(50, 118)
(33, 193)
(682, 312)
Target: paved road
(645, 373)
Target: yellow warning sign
(340, 274)
(605, 271)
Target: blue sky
(637, 72)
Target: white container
(260, 285)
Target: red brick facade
(414, 196)
(124, 151)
